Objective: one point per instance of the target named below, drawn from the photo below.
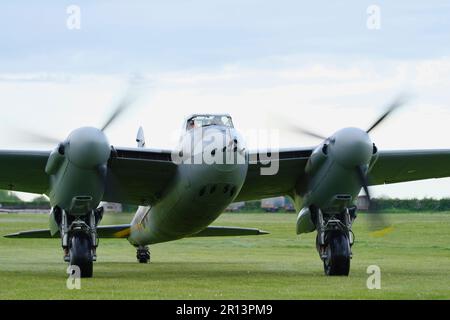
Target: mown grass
(414, 260)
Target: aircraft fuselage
(200, 191)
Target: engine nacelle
(304, 222)
(316, 159)
(54, 162)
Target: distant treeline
(9, 200)
(17, 205)
(379, 204)
(414, 205)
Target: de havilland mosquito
(181, 192)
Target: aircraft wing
(138, 176)
(291, 166)
(391, 167)
(135, 176)
(410, 165)
(24, 171)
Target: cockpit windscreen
(201, 121)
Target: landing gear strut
(334, 241)
(143, 254)
(79, 240)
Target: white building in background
(234, 207)
(363, 203)
(273, 204)
(111, 206)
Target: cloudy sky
(316, 63)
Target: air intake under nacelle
(304, 222)
(81, 205)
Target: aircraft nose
(352, 147)
(223, 149)
(88, 147)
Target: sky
(319, 64)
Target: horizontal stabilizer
(42, 234)
(123, 231)
(117, 231)
(228, 232)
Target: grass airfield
(414, 260)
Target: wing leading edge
(390, 167)
(410, 165)
(135, 176)
(139, 176)
(291, 169)
(24, 171)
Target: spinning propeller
(124, 104)
(360, 170)
(90, 144)
(400, 101)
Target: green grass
(414, 260)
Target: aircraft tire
(143, 255)
(338, 258)
(81, 254)
(143, 261)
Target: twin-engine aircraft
(181, 192)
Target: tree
(8, 196)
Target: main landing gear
(334, 241)
(143, 254)
(79, 240)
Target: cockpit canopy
(205, 120)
